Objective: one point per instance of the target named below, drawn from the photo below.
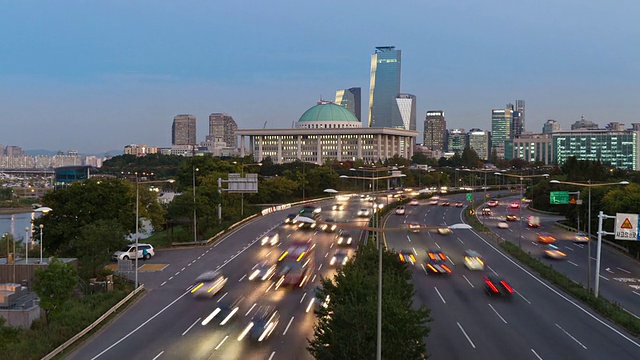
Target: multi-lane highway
(537, 322)
(167, 323)
(619, 274)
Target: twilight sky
(97, 75)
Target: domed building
(327, 131)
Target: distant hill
(52, 153)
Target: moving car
(414, 202)
(414, 227)
(329, 225)
(580, 237)
(290, 219)
(497, 286)
(433, 202)
(546, 238)
(224, 312)
(208, 284)
(443, 230)
(493, 203)
(407, 256)
(344, 238)
(553, 252)
(337, 207)
(314, 302)
(263, 271)
(145, 251)
(512, 218)
(340, 258)
(363, 212)
(486, 212)
(473, 260)
(262, 324)
(533, 222)
(458, 204)
(445, 203)
(270, 240)
(436, 263)
(311, 208)
(400, 210)
(305, 223)
(514, 205)
(503, 225)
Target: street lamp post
(26, 245)
(588, 185)
(138, 182)
(195, 230)
(41, 230)
(45, 210)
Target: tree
(95, 244)
(54, 285)
(470, 158)
(420, 158)
(346, 328)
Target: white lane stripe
(183, 269)
(501, 318)
(287, 328)
(525, 299)
(254, 305)
(192, 325)
(568, 248)
(462, 242)
(557, 293)
(163, 283)
(441, 298)
(571, 336)
(222, 297)
(635, 293)
(157, 356)
(176, 273)
(492, 270)
(319, 267)
(536, 354)
(303, 296)
(572, 263)
(242, 278)
(604, 277)
(423, 268)
(437, 245)
(465, 279)
(272, 354)
(221, 342)
(314, 278)
(623, 270)
(467, 336)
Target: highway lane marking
(525, 299)
(594, 259)
(408, 238)
(272, 355)
(269, 288)
(192, 325)
(157, 356)
(437, 245)
(568, 248)
(572, 263)
(183, 269)
(492, 270)
(287, 328)
(331, 246)
(578, 245)
(635, 293)
(623, 270)
(451, 261)
(574, 339)
(501, 318)
(303, 296)
(536, 354)
(319, 267)
(242, 278)
(604, 277)
(465, 335)
(163, 283)
(423, 268)
(176, 274)
(221, 342)
(313, 278)
(441, 298)
(171, 278)
(327, 254)
(222, 297)
(414, 251)
(462, 276)
(632, 314)
(255, 266)
(462, 242)
(556, 292)
(254, 305)
(609, 271)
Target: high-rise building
(13, 150)
(520, 108)
(530, 148)
(183, 130)
(616, 148)
(350, 98)
(479, 141)
(500, 129)
(223, 126)
(406, 105)
(434, 130)
(550, 126)
(384, 87)
(456, 140)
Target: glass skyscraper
(350, 98)
(500, 130)
(385, 87)
(406, 104)
(434, 130)
(456, 140)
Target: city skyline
(73, 80)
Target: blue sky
(97, 75)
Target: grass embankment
(74, 316)
(612, 311)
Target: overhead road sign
(469, 196)
(627, 227)
(559, 198)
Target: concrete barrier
(604, 241)
(82, 333)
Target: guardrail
(604, 241)
(82, 333)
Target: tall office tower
(183, 130)
(551, 126)
(479, 141)
(13, 150)
(384, 87)
(223, 126)
(351, 99)
(500, 129)
(2, 150)
(520, 108)
(434, 130)
(406, 111)
(456, 140)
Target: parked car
(145, 251)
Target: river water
(15, 223)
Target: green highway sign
(469, 196)
(559, 198)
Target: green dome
(328, 112)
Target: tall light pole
(242, 194)
(45, 210)
(26, 245)
(195, 229)
(41, 230)
(588, 185)
(138, 182)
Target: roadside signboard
(627, 227)
(559, 198)
(469, 196)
